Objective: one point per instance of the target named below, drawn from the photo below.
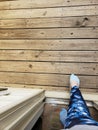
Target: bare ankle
(73, 83)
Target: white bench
(21, 108)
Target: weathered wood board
(43, 42)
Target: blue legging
(78, 112)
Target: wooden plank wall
(42, 42)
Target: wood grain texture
(83, 21)
(46, 87)
(46, 79)
(43, 42)
(19, 4)
(60, 56)
(66, 95)
(49, 12)
(5, 0)
(55, 44)
(49, 67)
(48, 33)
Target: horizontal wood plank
(49, 67)
(33, 86)
(43, 3)
(62, 44)
(49, 12)
(88, 21)
(57, 88)
(61, 56)
(5, 0)
(49, 33)
(46, 79)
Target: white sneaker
(74, 80)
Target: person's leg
(63, 116)
(77, 101)
(77, 108)
(78, 112)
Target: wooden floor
(50, 119)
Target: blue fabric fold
(63, 115)
(78, 112)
